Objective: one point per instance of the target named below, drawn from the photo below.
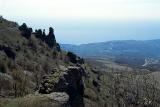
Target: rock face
(70, 81)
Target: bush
(3, 68)
(20, 82)
(55, 53)
(9, 52)
(72, 57)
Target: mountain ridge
(132, 52)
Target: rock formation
(25, 31)
(69, 81)
(50, 39)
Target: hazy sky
(83, 21)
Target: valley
(139, 54)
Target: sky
(87, 21)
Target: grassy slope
(33, 59)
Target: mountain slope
(32, 61)
(36, 72)
(128, 51)
(148, 48)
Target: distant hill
(123, 51)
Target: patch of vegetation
(3, 68)
(31, 101)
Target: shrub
(9, 52)
(3, 68)
(20, 83)
(72, 57)
(54, 54)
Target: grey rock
(71, 81)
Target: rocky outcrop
(25, 31)
(39, 34)
(69, 81)
(49, 39)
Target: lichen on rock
(69, 81)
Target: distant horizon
(88, 21)
(109, 41)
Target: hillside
(131, 52)
(36, 72)
(33, 61)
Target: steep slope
(27, 58)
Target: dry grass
(32, 101)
